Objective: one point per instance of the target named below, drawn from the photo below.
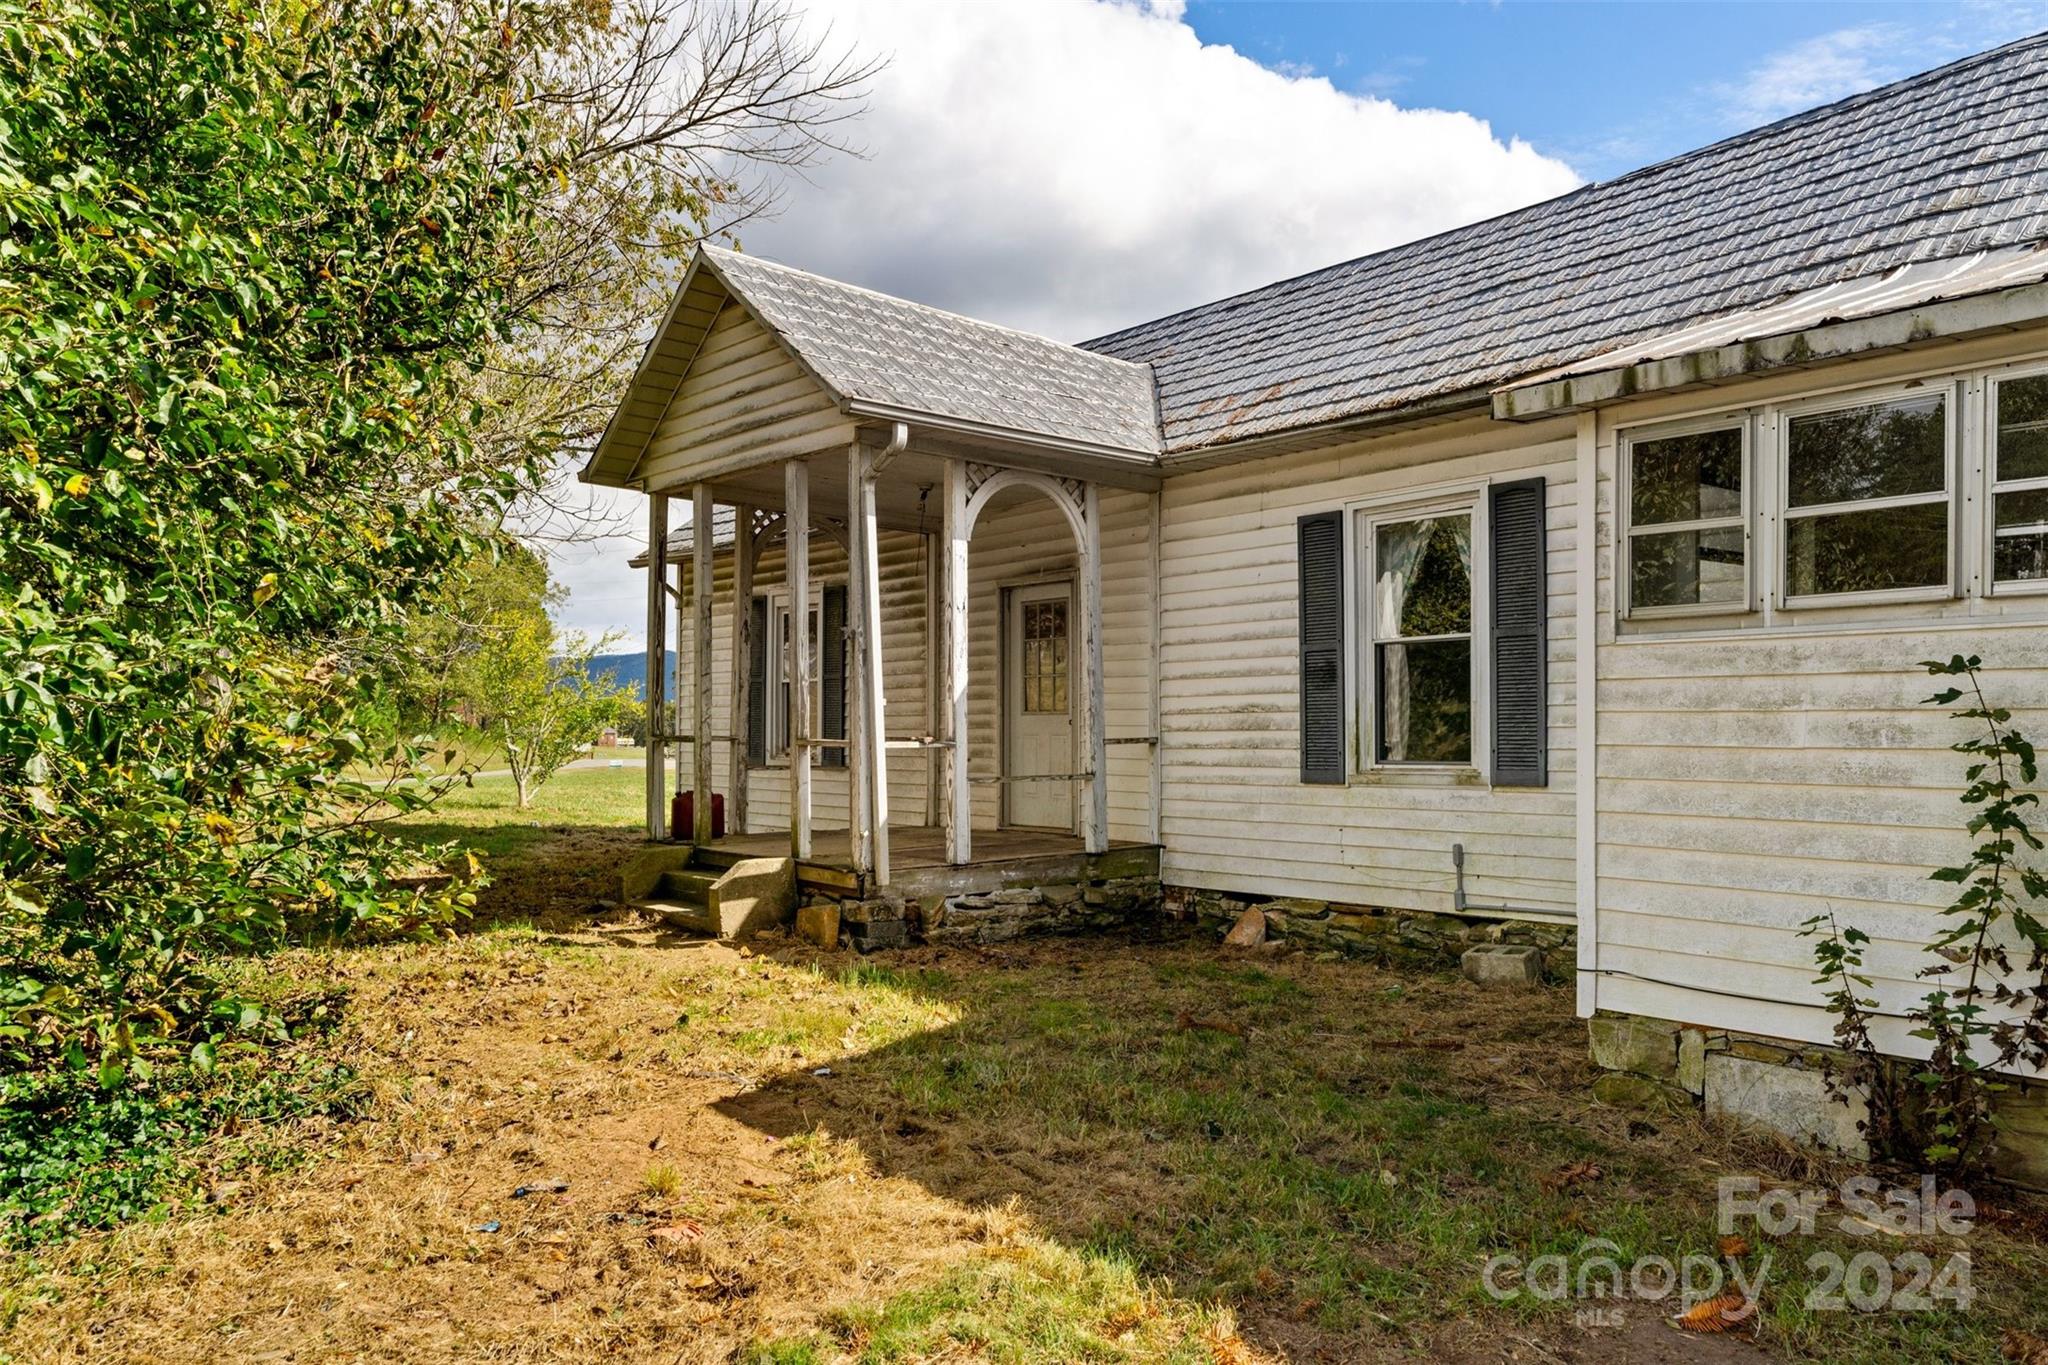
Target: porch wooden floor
(917, 859)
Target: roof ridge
(1777, 126)
(715, 251)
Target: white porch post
(956, 804)
(859, 822)
(796, 540)
(1095, 807)
(870, 771)
(657, 660)
(700, 588)
(742, 667)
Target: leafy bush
(248, 255)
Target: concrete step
(692, 915)
(688, 884)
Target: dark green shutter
(832, 663)
(1520, 610)
(1319, 542)
(757, 683)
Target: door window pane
(1044, 665)
(1425, 702)
(1879, 450)
(1695, 477)
(1687, 568)
(1889, 547)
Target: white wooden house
(1570, 567)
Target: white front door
(1038, 726)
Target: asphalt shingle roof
(1940, 165)
(874, 348)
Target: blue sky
(1073, 166)
(1609, 87)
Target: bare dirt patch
(595, 1139)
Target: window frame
(1366, 519)
(1987, 550)
(1784, 514)
(1626, 439)
(775, 753)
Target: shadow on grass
(1334, 1151)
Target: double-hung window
(1688, 527)
(1866, 498)
(1421, 639)
(2019, 481)
(781, 675)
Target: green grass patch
(1031, 1300)
(74, 1156)
(485, 815)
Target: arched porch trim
(969, 490)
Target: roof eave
(1419, 412)
(1577, 390)
(1134, 457)
(608, 466)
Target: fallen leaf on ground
(2024, 1348)
(682, 1230)
(1733, 1246)
(1722, 1313)
(1185, 1021)
(1578, 1173)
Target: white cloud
(1847, 61)
(1074, 167)
(1816, 71)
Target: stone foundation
(1778, 1087)
(1403, 936)
(992, 916)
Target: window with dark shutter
(757, 683)
(1320, 549)
(1520, 750)
(832, 686)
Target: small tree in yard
(535, 695)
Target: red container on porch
(682, 815)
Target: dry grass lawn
(1077, 1150)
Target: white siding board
(1234, 815)
(743, 394)
(1751, 778)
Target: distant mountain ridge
(629, 669)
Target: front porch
(920, 868)
(853, 696)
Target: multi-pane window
(1866, 498)
(1688, 536)
(781, 676)
(1422, 639)
(2019, 479)
(1043, 669)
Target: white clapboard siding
(1021, 539)
(743, 395)
(1751, 779)
(1234, 814)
